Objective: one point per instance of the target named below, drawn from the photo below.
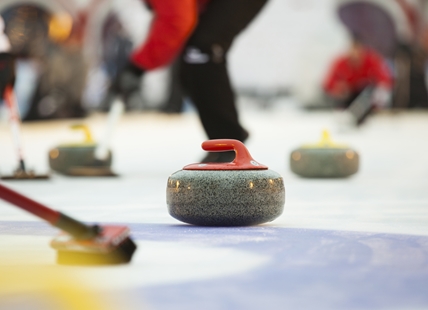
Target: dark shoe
(219, 157)
(224, 157)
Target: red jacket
(371, 71)
(173, 23)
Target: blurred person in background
(410, 58)
(50, 63)
(359, 70)
(63, 69)
(398, 31)
(203, 32)
(7, 61)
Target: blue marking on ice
(309, 269)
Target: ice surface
(333, 238)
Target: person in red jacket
(359, 69)
(201, 33)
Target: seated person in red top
(202, 31)
(359, 69)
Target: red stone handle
(243, 159)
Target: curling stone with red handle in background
(240, 193)
(325, 159)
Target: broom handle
(116, 110)
(77, 229)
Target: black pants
(7, 72)
(203, 65)
(410, 90)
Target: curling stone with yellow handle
(78, 159)
(325, 159)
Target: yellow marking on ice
(46, 287)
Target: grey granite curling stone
(324, 160)
(78, 159)
(239, 193)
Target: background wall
(290, 41)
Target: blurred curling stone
(239, 193)
(325, 159)
(79, 159)
(88, 158)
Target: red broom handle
(29, 205)
(74, 227)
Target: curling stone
(239, 193)
(324, 159)
(78, 159)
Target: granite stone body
(225, 198)
(324, 162)
(64, 159)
